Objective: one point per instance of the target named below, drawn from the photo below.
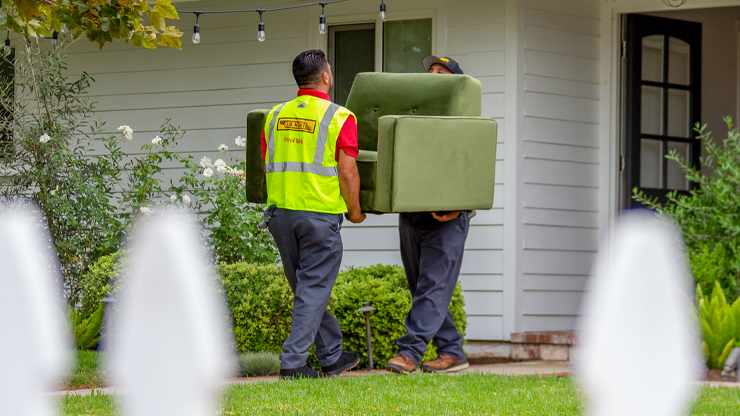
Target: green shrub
(257, 364)
(720, 323)
(709, 215)
(261, 304)
(87, 330)
(102, 279)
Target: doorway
(661, 104)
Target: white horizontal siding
(561, 161)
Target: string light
(196, 30)
(261, 27)
(322, 20)
(54, 37)
(674, 3)
(6, 48)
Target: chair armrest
(428, 163)
(255, 174)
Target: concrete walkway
(544, 368)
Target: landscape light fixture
(196, 29)
(322, 20)
(261, 28)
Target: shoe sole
(343, 369)
(398, 370)
(451, 369)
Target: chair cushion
(375, 95)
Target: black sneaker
(301, 372)
(348, 360)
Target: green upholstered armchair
(423, 144)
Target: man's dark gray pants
(311, 249)
(432, 254)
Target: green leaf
(166, 9)
(157, 20)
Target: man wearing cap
(432, 245)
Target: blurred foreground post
(640, 345)
(35, 345)
(171, 344)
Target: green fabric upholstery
(376, 94)
(255, 172)
(423, 145)
(425, 164)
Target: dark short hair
(308, 67)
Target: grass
(256, 364)
(470, 394)
(87, 372)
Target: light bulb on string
(382, 11)
(261, 27)
(322, 20)
(6, 47)
(64, 28)
(196, 30)
(54, 37)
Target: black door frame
(636, 27)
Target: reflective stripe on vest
(316, 167)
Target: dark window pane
(351, 51)
(405, 44)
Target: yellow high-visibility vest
(302, 173)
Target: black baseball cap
(448, 63)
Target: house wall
(207, 89)
(560, 159)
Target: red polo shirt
(347, 136)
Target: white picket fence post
(640, 344)
(172, 343)
(35, 344)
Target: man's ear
(326, 77)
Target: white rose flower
(222, 169)
(44, 138)
(240, 141)
(127, 131)
(208, 173)
(186, 199)
(173, 198)
(206, 162)
(219, 162)
(223, 148)
(157, 141)
(146, 211)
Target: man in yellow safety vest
(309, 146)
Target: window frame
(322, 41)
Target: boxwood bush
(261, 303)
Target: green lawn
(87, 372)
(414, 395)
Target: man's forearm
(349, 183)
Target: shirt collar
(314, 93)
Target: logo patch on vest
(296, 124)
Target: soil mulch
(716, 375)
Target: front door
(662, 97)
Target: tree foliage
(101, 21)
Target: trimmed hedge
(261, 304)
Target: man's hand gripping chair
(423, 144)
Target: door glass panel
(651, 163)
(678, 113)
(652, 110)
(676, 177)
(405, 44)
(351, 51)
(652, 58)
(678, 61)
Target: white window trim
(322, 41)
